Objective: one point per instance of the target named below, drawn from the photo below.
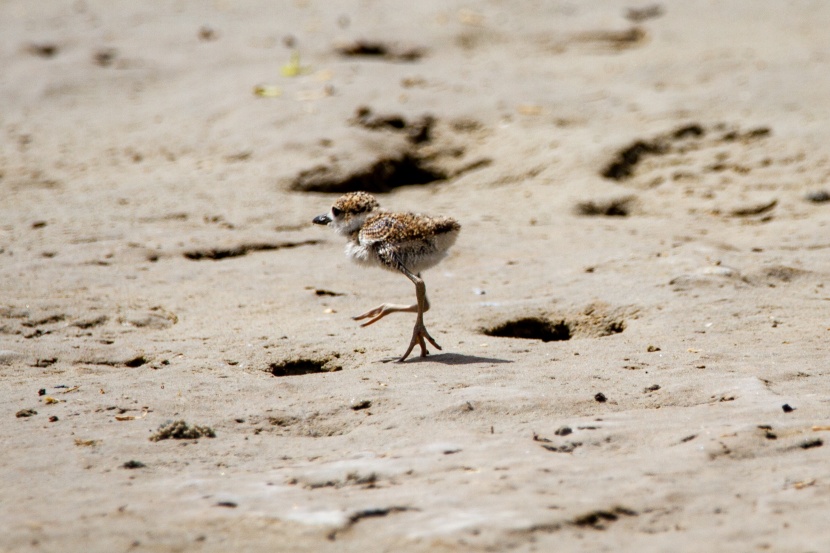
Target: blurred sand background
(634, 319)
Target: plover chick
(404, 242)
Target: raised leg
(379, 312)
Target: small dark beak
(322, 220)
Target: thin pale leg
(379, 312)
(419, 333)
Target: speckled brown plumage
(417, 242)
(404, 242)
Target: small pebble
(818, 196)
(207, 33)
(600, 397)
(811, 443)
(719, 270)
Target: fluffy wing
(397, 228)
(385, 227)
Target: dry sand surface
(634, 319)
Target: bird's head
(347, 214)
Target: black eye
(336, 212)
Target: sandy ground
(634, 320)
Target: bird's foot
(419, 335)
(379, 312)
(374, 315)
